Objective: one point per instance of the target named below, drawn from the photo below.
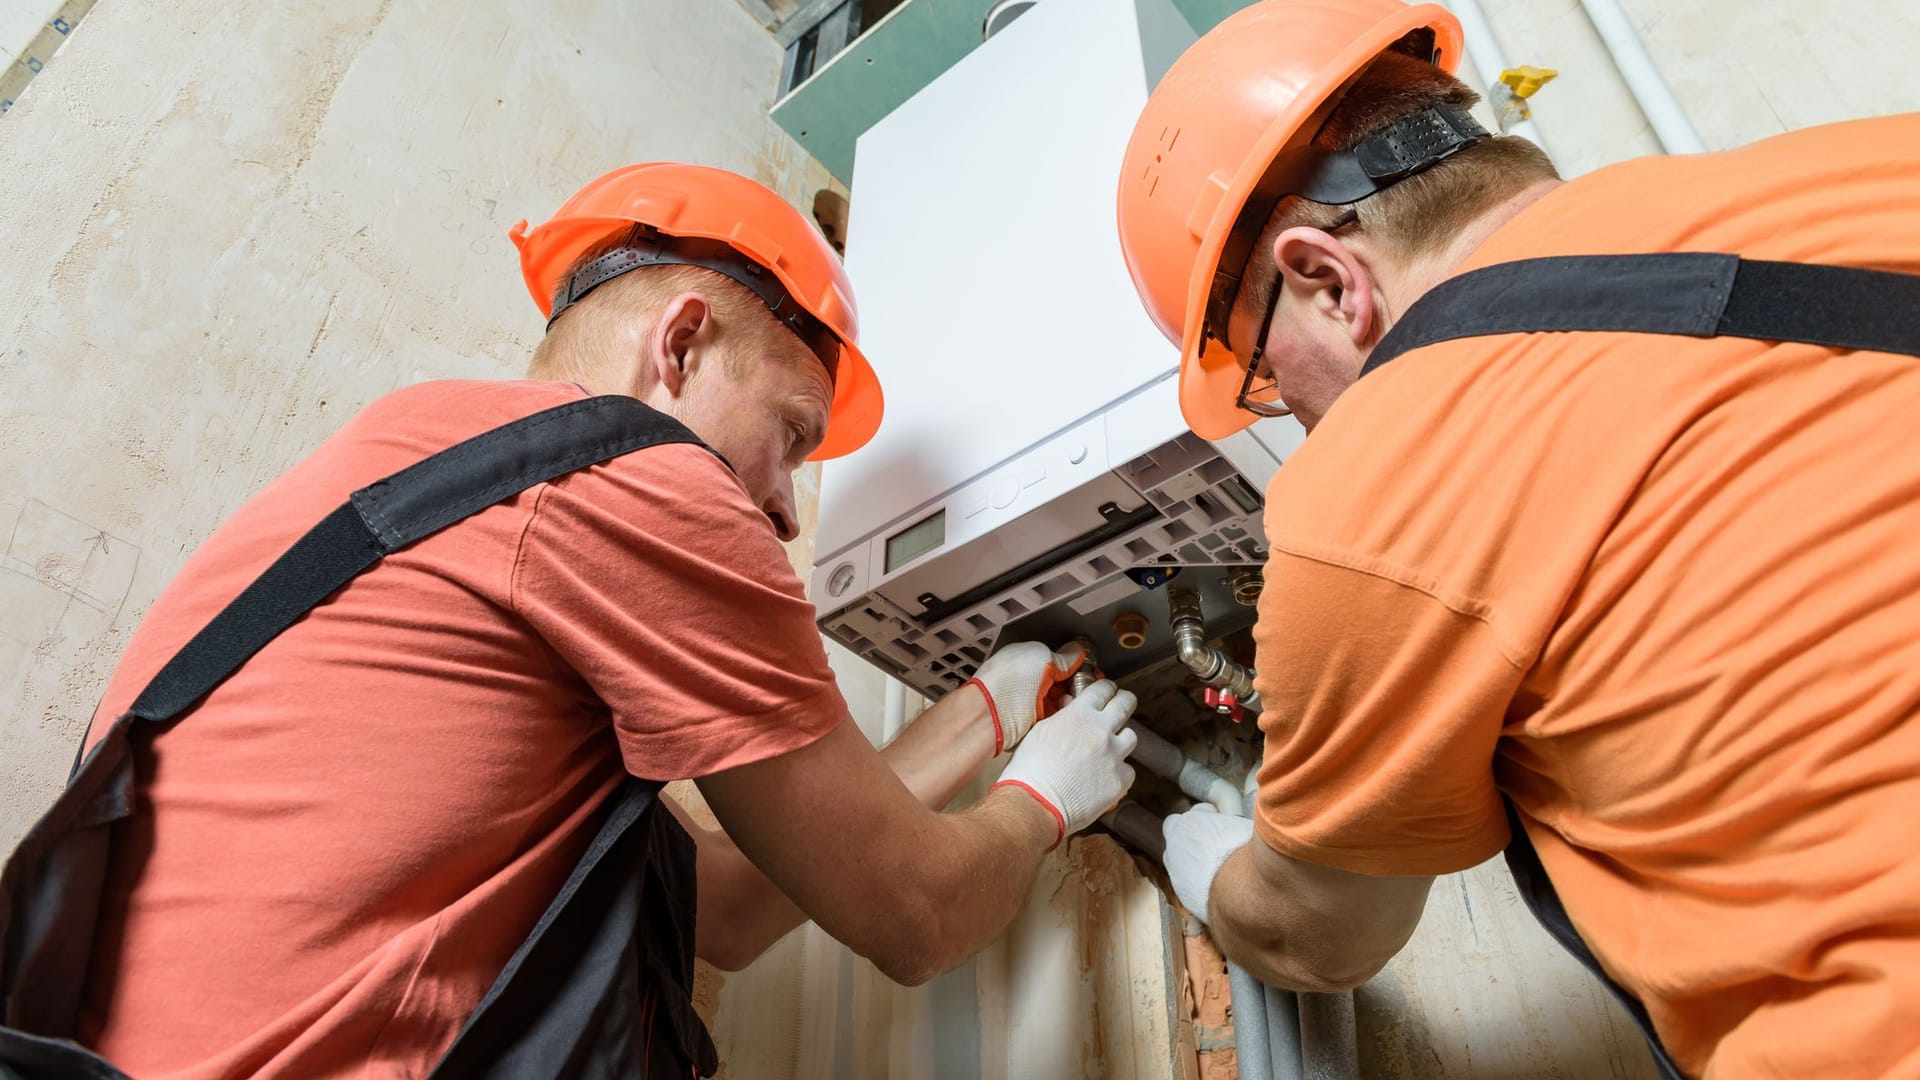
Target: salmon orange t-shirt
(340, 847)
(1664, 594)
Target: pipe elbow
(1193, 652)
(1226, 798)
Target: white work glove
(1076, 762)
(1198, 843)
(1016, 681)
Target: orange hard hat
(1206, 147)
(700, 216)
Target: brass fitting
(1246, 583)
(1130, 629)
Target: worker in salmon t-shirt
(1600, 548)
(376, 788)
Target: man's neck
(1419, 275)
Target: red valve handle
(1224, 703)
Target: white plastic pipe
(1484, 50)
(894, 713)
(1650, 89)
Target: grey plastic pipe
(1251, 1006)
(1158, 756)
(1329, 1047)
(1283, 1032)
(1138, 826)
(1649, 88)
(1250, 1035)
(1209, 664)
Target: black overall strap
(386, 516)
(609, 995)
(1690, 294)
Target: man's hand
(1016, 681)
(1198, 843)
(1076, 763)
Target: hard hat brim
(854, 416)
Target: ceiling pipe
(1643, 78)
(1484, 50)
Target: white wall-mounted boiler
(1033, 477)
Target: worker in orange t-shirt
(375, 790)
(1601, 547)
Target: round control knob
(1005, 490)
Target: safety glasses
(1259, 394)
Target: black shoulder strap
(1691, 294)
(388, 515)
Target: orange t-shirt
(339, 849)
(1663, 593)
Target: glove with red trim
(1075, 764)
(1198, 843)
(1016, 681)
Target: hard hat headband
(1407, 146)
(645, 246)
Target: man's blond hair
(1421, 214)
(585, 342)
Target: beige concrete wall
(230, 226)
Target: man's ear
(1332, 281)
(673, 348)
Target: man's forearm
(1243, 925)
(1299, 926)
(742, 914)
(973, 879)
(943, 748)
